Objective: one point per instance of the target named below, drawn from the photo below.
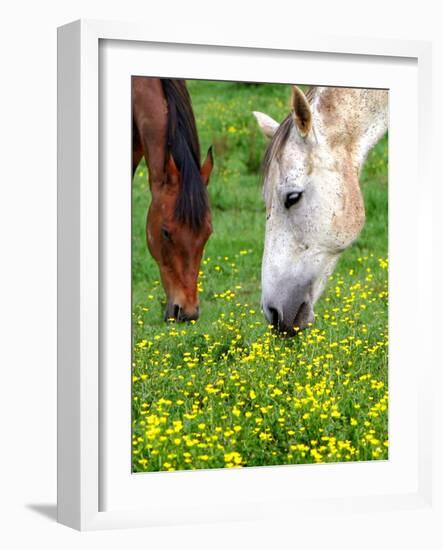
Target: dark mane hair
(192, 201)
(281, 136)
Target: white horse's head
(314, 207)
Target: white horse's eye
(292, 198)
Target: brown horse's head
(178, 226)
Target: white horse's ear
(302, 111)
(267, 124)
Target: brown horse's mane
(183, 144)
(281, 136)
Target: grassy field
(226, 391)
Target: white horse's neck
(350, 121)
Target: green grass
(226, 391)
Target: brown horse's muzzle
(177, 313)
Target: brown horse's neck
(150, 127)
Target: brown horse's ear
(302, 111)
(172, 172)
(208, 165)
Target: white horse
(314, 205)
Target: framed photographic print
(241, 277)
(242, 388)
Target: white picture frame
(83, 398)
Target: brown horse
(179, 220)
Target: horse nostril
(299, 315)
(184, 317)
(274, 316)
(176, 311)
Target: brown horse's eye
(166, 234)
